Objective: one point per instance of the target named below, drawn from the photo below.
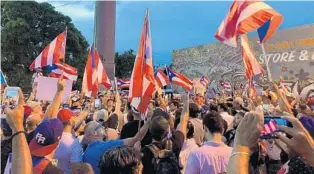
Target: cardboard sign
(47, 88)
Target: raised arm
(21, 157)
(83, 114)
(139, 136)
(246, 137)
(118, 105)
(53, 108)
(184, 115)
(283, 103)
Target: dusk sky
(174, 25)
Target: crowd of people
(186, 134)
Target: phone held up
(271, 126)
(11, 96)
(97, 103)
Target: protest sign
(47, 88)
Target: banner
(290, 54)
(47, 88)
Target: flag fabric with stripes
(244, 17)
(94, 74)
(161, 78)
(204, 80)
(252, 66)
(142, 80)
(52, 53)
(123, 83)
(180, 80)
(58, 69)
(252, 88)
(270, 127)
(3, 81)
(227, 86)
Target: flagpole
(266, 63)
(65, 43)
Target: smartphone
(11, 94)
(274, 125)
(97, 103)
(66, 106)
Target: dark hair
(190, 130)
(223, 106)
(130, 116)
(159, 128)
(175, 103)
(178, 113)
(120, 160)
(214, 122)
(225, 126)
(194, 110)
(168, 166)
(213, 107)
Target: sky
(174, 25)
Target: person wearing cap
(31, 123)
(238, 103)
(70, 152)
(162, 138)
(93, 140)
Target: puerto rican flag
(270, 127)
(226, 86)
(246, 16)
(179, 79)
(58, 69)
(52, 53)
(143, 81)
(161, 78)
(204, 80)
(94, 74)
(123, 83)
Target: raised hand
(61, 84)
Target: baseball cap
(64, 115)
(159, 128)
(47, 136)
(239, 100)
(102, 115)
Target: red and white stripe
(244, 17)
(227, 86)
(270, 127)
(252, 66)
(204, 80)
(142, 80)
(161, 78)
(93, 76)
(52, 53)
(66, 70)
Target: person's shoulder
(52, 169)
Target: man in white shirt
(70, 152)
(223, 110)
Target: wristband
(16, 133)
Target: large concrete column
(105, 19)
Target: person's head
(102, 116)
(174, 105)
(213, 107)
(213, 124)
(93, 131)
(237, 103)
(151, 105)
(109, 103)
(222, 107)
(66, 117)
(32, 121)
(84, 168)
(190, 130)
(46, 137)
(159, 128)
(237, 119)
(136, 114)
(194, 110)
(130, 116)
(121, 160)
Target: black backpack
(163, 156)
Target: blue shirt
(95, 150)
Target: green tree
(124, 64)
(27, 27)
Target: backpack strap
(154, 149)
(41, 166)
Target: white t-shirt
(69, 151)
(228, 118)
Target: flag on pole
(58, 69)
(142, 83)
(204, 80)
(180, 79)
(161, 78)
(3, 81)
(226, 86)
(52, 53)
(123, 83)
(246, 16)
(252, 66)
(94, 74)
(270, 127)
